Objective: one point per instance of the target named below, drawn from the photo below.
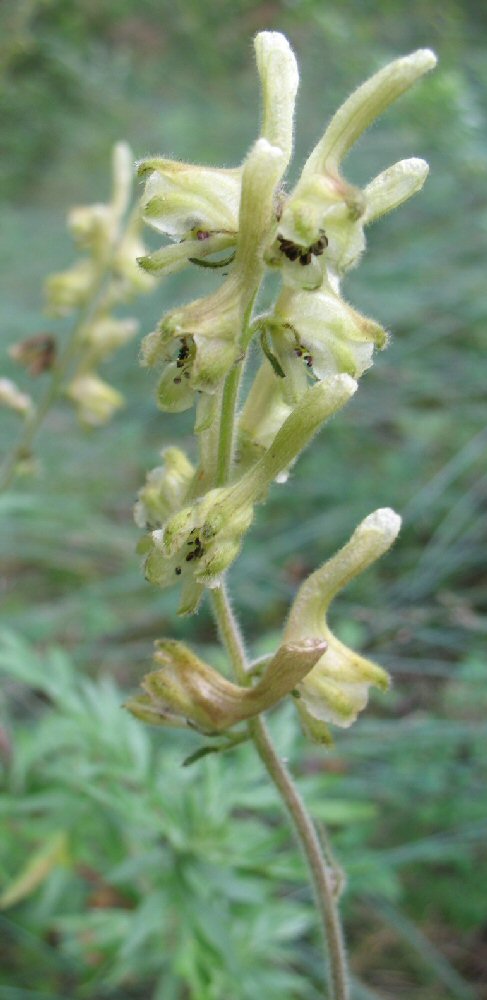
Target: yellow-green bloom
(208, 330)
(104, 335)
(337, 688)
(95, 400)
(164, 491)
(263, 414)
(200, 541)
(200, 206)
(316, 334)
(322, 221)
(108, 240)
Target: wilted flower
(186, 691)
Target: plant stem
(229, 404)
(227, 424)
(321, 875)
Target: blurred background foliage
(125, 876)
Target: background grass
(169, 851)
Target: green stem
(321, 874)
(229, 403)
(227, 424)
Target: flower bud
(164, 491)
(336, 690)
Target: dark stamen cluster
(302, 352)
(196, 550)
(293, 251)
(182, 360)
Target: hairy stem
(227, 424)
(321, 874)
(229, 403)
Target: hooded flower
(200, 541)
(316, 334)
(200, 206)
(263, 414)
(322, 221)
(336, 689)
(206, 333)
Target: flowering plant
(314, 347)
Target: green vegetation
(150, 888)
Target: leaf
(36, 870)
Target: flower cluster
(105, 276)
(314, 344)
